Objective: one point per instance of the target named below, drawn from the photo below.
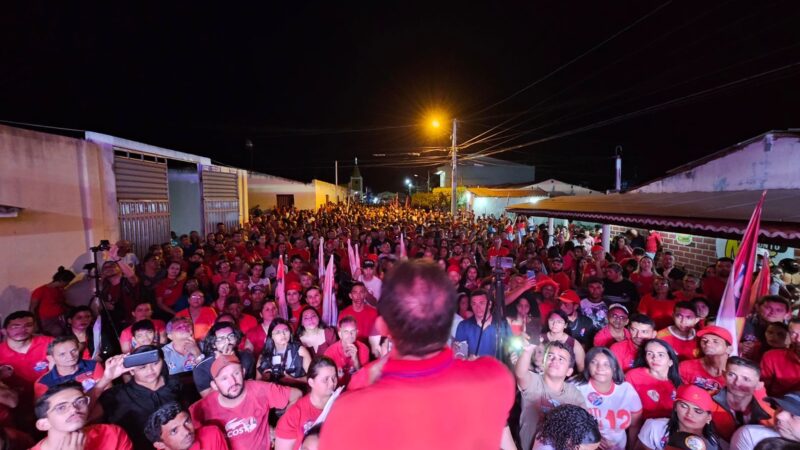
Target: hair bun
(61, 269)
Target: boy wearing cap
(787, 424)
(741, 401)
(580, 327)
(294, 291)
(240, 408)
(708, 372)
(371, 282)
(780, 368)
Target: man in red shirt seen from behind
(63, 411)
(26, 355)
(170, 428)
(714, 287)
(472, 399)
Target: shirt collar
(418, 368)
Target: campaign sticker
(40, 366)
(653, 395)
(595, 398)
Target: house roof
(722, 214)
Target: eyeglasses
(78, 403)
(228, 337)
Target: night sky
(309, 83)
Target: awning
(506, 192)
(718, 214)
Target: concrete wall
(769, 162)
(322, 188)
(262, 190)
(66, 189)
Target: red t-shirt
(503, 251)
(204, 321)
(209, 438)
(247, 322)
(644, 284)
(344, 363)
(127, 337)
(217, 279)
(297, 420)
(387, 414)
(169, 291)
(657, 395)
(52, 303)
(365, 319)
(246, 426)
(651, 242)
(258, 337)
(685, 348)
(625, 352)
(101, 437)
(603, 338)
(658, 310)
(693, 372)
(780, 371)
(28, 367)
(563, 280)
(713, 288)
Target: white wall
(769, 162)
(496, 205)
(66, 189)
(262, 190)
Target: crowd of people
(452, 332)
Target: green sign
(683, 239)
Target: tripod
(104, 315)
(498, 306)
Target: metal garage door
(143, 198)
(220, 197)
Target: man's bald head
(418, 303)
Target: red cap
(455, 269)
(546, 281)
(598, 248)
(222, 361)
(569, 296)
(294, 286)
(717, 331)
(697, 396)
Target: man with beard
(171, 428)
(62, 412)
(780, 368)
(240, 408)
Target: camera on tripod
(104, 246)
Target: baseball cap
(455, 269)
(717, 331)
(242, 277)
(618, 306)
(221, 362)
(598, 248)
(569, 296)
(789, 402)
(294, 286)
(696, 396)
(546, 281)
(557, 258)
(368, 263)
(257, 287)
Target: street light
(435, 124)
(410, 185)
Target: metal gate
(285, 201)
(143, 199)
(220, 197)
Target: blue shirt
(469, 330)
(52, 378)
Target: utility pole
(618, 169)
(336, 178)
(453, 184)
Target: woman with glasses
(655, 378)
(612, 400)
(283, 360)
(312, 333)
(555, 330)
(691, 414)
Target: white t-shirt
(613, 410)
(654, 434)
(746, 437)
(373, 286)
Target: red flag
(735, 304)
(280, 290)
(760, 287)
(330, 311)
(408, 201)
(351, 257)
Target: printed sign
(730, 247)
(683, 239)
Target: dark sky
(312, 82)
